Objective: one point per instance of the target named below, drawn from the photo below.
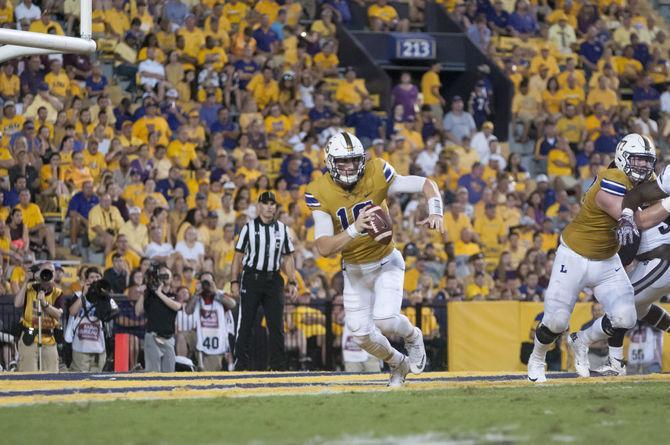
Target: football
(382, 226)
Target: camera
(206, 289)
(154, 279)
(99, 295)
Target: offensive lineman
(651, 280)
(587, 257)
(373, 273)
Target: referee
(262, 247)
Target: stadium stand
(191, 109)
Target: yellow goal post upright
(25, 43)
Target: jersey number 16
(355, 210)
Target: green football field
(600, 413)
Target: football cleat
(614, 368)
(416, 352)
(536, 370)
(398, 373)
(581, 352)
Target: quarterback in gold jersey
(587, 257)
(373, 273)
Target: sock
(540, 351)
(616, 353)
(593, 333)
(379, 346)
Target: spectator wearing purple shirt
(591, 50)
(498, 18)
(406, 94)
(210, 110)
(320, 115)
(224, 124)
(522, 21)
(266, 38)
(32, 76)
(606, 142)
(479, 33)
(646, 95)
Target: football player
(650, 277)
(587, 257)
(373, 273)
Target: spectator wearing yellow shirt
(77, 173)
(10, 85)
(477, 290)
(269, 8)
(46, 26)
(349, 92)
(263, 88)
(117, 20)
(122, 248)
(235, 11)
(551, 99)
(571, 126)
(455, 220)
(604, 96)
(492, 232)
(326, 61)
(572, 94)
(212, 53)
(194, 38)
(627, 66)
(545, 58)
(527, 110)
(93, 159)
(277, 125)
(325, 27)
(249, 169)
(11, 122)
(430, 89)
(151, 122)
(571, 70)
(181, 151)
(136, 233)
(6, 12)
(384, 17)
(40, 233)
(104, 222)
(561, 163)
(549, 236)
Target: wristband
(665, 203)
(435, 206)
(352, 232)
(629, 212)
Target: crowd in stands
(158, 148)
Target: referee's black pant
(266, 289)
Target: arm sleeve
(323, 225)
(407, 184)
(288, 244)
(242, 240)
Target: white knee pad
(623, 317)
(395, 325)
(558, 322)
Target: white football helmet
(341, 147)
(635, 155)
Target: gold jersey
(343, 206)
(591, 234)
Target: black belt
(260, 273)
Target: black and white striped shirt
(263, 245)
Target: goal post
(25, 43)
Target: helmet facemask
(639, 167)
(346, 170)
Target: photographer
(213, 323)
(161, 310)
(85, 331)
(39, 298)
